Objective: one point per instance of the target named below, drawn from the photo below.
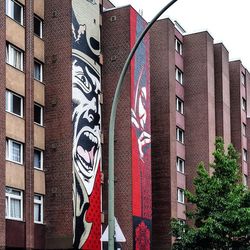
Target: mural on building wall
(86, 123)
(141, 136)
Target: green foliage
(221, 218)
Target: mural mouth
(86, 150)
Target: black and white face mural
(85, 118)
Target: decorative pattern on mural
(141, 136)
(86, 123)
(142, 235)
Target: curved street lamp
(111, 214)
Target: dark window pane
(37, 212)
(37, 26)
(37, 71)
(37, 114)
(18, 13)
(16, 105)
(37, 158)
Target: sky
(227, 21)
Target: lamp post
(111, 201)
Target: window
(13, 204)
(180, 195)
(38, 71)
(38, 208)
(178, 46)
(243, 79)
(38, 26)
(14, 10)
(14, 56)
(179, 135)
(14, 151)
(179, 75)
(38, 114)
(38, 159)
(244, 154)
(244, 127)
(244, 104)
(180, 165)
(14, 103)
(179, 105)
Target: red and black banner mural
(141, 136)
(86, 121)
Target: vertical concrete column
(2, 123)
(29, 126)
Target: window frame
(178, 168)
(244, 129)
(9, 10)
(178, 135)
(41, 114)
(244, 104)
(180, 196)
(41, 159)
(39, 202)
(9, 197)
(243, 79)
(178, 75)
(244, 155)
(8, 103)
(10, 142)
(10, 49)
(41, 26)
(181, 108)
(41, 70)
(178, 46)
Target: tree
(221, 217)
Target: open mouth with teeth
(87, 147)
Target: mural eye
(86, 87)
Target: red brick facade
(222, 93)
(238, 93)
(116, 47)
(119, 30)
(2, 124)
(58, 155)
(163, 125)
(212, 92)
(29, 127)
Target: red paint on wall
(136, 197)
(140, 135)
(94, 216)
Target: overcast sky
(226, 20)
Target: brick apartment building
(200, 95)
(60, 61)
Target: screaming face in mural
(86, 122)
(86, 140)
